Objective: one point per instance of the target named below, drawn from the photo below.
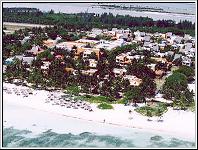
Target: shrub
(122, 101)
(97, 99)
(150, 111)
(105, 106)
(74, 90)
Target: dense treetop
(87, 21)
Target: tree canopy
(140, 70)
(176, 88)
(176, 81)
(187, 71)
(87, 21)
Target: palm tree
(36, 77)
(159, 114)
(133, 94)
(37, 63)
(57, 73)
(149, 114)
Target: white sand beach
(177, 123)
(24, 24)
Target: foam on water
(36, 128)
(16, 138)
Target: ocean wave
(22, 138)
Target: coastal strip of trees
(87, 21)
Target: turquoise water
(37, 128)
(24, 138)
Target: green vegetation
(174, 84)
(96, 99)
(103, 37)
(154, 29)
(176, 88)
(192, 107)
(148, 87)
(140, 70)
(133, 95)
(93, 56)
(187, 71)
(103, 82)
(184, 100)
(57, 74)
(16, 70)
(123, 49)
(105, 106)
(137, 94)
(88, 21)
(46, 54)
(74, 90)
(36, 77)
(122, 101)
(154, 110)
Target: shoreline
(141, 9)
(118, 117)
(83, 8)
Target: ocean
(23, 138)
(88, 7)
(27, 127)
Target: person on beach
(104, 121)
(130, 112)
